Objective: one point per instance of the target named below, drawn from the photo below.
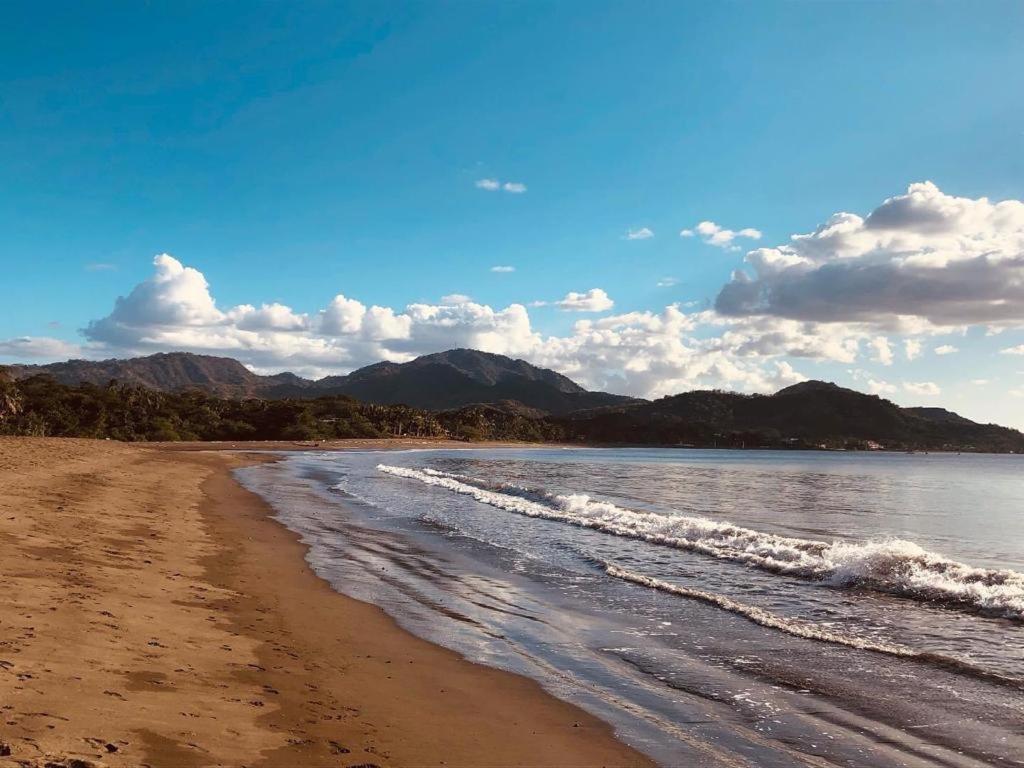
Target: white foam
(894, 566)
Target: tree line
(42, 407)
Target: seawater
(717, 607)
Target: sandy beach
(153, 614)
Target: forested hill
(808, 415)
(435, 382)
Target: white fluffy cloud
(640, 353)
(646, 353)
(882, 350)
(922, 388)
(946, 349)
(1018, 350)
(876, 387)
(925, 256)
(502, 269)
(717, 235)
(594, 300)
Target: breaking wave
(893, 566)
(811, 631)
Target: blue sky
(294, 152)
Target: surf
(892, 566)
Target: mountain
(441, 381)
(462, 377)
(460, 394)
(810, 414)
(169, 372)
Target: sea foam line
(759, 615)
(809, 631)
(894, 566)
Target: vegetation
(809, 415)
(40, 406)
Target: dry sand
(151, 613)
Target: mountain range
(490, 389)
(436, 382)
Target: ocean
(718, 608)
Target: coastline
(157, 615)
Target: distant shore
(154, 614)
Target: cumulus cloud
(647, 353)
(946, 349)
(639, 353)
(717, 235)
(502, 269)
(269, 317)
(877, 387)
(924, 256)
(490, 185)
(656, 353)
(1018, 350)
(638, 234)
(667, 282)
(922, 388)
(594, 300)
(37, 348)
(912, 348)
(515, 187)
(176, 297)
(882, 350)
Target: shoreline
(220, 646)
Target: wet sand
(153, 614)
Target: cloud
(979, 382)
(925, 256)
(946, 349)
(638, 234)
(502, 269)
(456, 298)
(269, 317)
(1018, 350)
(876, 387)
(594, 300)
(714, 234)
(493, 185)
(176, 297)
(922, 388)
(882, 350)
(38, 347)
(667, 282)
(912, 348)
(648, 354)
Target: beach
(154, 614)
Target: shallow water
(719, 608)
